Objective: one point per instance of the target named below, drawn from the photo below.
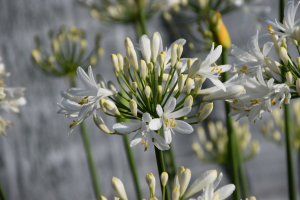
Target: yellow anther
(285, 100)
(220, 71)
(274, 102)
(216, 65)
(234, 108)
(213, 69)
(167, 122)
(87, 101)
(72, 124)
(175, 124)
(270, 28)
(244, 67)
(280, 107)
(235, 101)
(86, 97)
(146, 147)
(172, 122)
(272, 32)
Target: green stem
(141, 17)
(88, 151)
(233, 159)
(2, 196)
(242, 175)
(132, 167)
(170, 164)
(161, 165)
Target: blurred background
(39, 161)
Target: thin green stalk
(233, 159)
(243, 179)
(88, 151)
(141, 17)
(161, 165)
(170, 164)
(2, 195)
(288, 130)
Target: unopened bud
(197, 148)
(174, 54)
(150, 179)
(147, 92)
(143, 69)
(101, 124)
(126, 64)
(164, 178)
(223, 35)
(201, 134)
(133, 107)
(155, 44)
(179, 51)
(132, 58)
(189, 85)
(178, 67)
(283, 55)
(36, 56)
(188, 102)
(272, 65)
(128, 43)
(111, 107)
(184, 180)
(102, 197)
(150, 66)
(120, 61)
(181, 80)
(198, 84)
(56, 46)
(274, 39)
(175, 194)
(208, 146)
(205, 112)
(119, 188)
(289, 78)
(255, 147)
(134, 86)
(82, 44)
(115, 62)
(298, 86)
(189, 63)
(159, 89)
(102, 104)
(276, 136)
(161, 60)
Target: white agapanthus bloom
(255, 58)
(142, 132)
(88, 97)
(167, 119)
(206, 70)
(14, 97)
(2, 69)
(290, 28)
(210, 192)
(4, 125)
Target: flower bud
(194, 68)
(174, 54)
(161, 60)
(188, 102)
(56, 46)
(144, 44)
(159, 89)
(115, 62)
(111, 107)
(184, 181)
(101, 124)
(164, 178)
(223, 35)
(276, 136)
(297, 34)
(252, 198)
(205, 112)
(102, 104)
(189, 85)
(255, 148)
(274, 39)
(119, 188)
(197, 148)
(147, 92)
(272, 65)
(175, 194)
(102, 197)
(165, 77)
(178, 67)
(150, 66)
(201, 134)
(155, 45)
(120, 61)
(133, 107)
(179, 51)
(212, 131)
(128, 43)
(181, 80)
(134, 86)
(189, 63)
(36, 56)
(198, 84)
(298, 86)
(143, 69)
(126, 64)
(283, 55)
(150, 179)
(289, 79)
(208, 146)
(93, 60)
(132, 58)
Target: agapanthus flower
(14, 97)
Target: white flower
(291, 27)
(4, 125)
(2, 69)
(250, 61)
(89, 96)
(13, 99)
(206, 70)
(167, 119)
(142, 134)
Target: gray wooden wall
(38, 161)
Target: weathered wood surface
(38, 161)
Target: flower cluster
(207, 183)
(256, 66)
(157, 90)
(216, 146)
(10, 98)
(68, 52)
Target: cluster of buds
(274, 129)
(68, 52)
(118, 11)
(215, 147)
(160, 90)
(207, 183)
(10, 98)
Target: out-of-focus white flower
(14, 98)
(4, 125)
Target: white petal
(225, 191)
(170, 105)
(242, 55)
(168, 135)
(82, 92)
(146, 117)
(180, 113)
(159, 141)
(138, 137)
(159, 110)
(183, 127)
(145, 47)
(214, 56)
(127, 127)
(267, 47)
(253, 47)
(83, 77)
(155, 124)
(85, 111)
(91, 76)
(218, 83)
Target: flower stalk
(2, 195)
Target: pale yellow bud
(189, 85)
(101, 124)
(100, 51)
(298, 62)
(201, 134)
(272, 65)
(179, 51)
(175, 194)
(297, 34)
(197, 148)
(161, 60)
(119, 188)
(2, 94)
(188, 102)
(154, 45)
(147, 92)
(102, 105)
(132, 58)
(82, 44)
(165, 77)
(205, 112)
(216, 196)
(93, 60)
(126, 63)
(111, 107)
(102, 197)
(120, 61)
(55, 46)
(255, 147)
(133, 107)
(289, 79)
(164, 178)
(298, 86)
(36, 56)
(212, 130)
(252, 198)
(159, 89)
(178, 67)
(283, 55)
(150, 179)
(115, 62)
(143, 69)
(198, 84)
(174, 54)
(276, 136)
(189, 63)
(128, 43)
(134, 86)
(209, 146)
(181, 80)
(184, 180)
(180, 170)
